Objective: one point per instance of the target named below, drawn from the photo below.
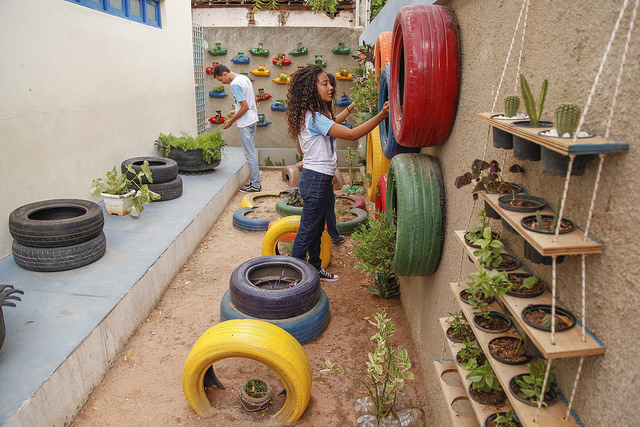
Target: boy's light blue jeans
(247, 134)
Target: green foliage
(488, 283)
(488, 177)
(483, 378)
(530, 102)
(476, 233)
(364, 94)
(322, 5)
(268, 161)
(387, 367)
(566, 118)
(375, 245)
(511, 105)
(531, 384)
(470, 353)
(457, 324)
(211, 143)
(218, 89)
(506, 420)
(490, 252)
(255, 388)
(385, 285)
(261, 4)
(376, 7)
(295, 199)
(352, 189)
(119, 184)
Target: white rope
(573, 390)
(565, 191)
(584, 298)
(554, 293)
(544, 387)
(524, 30)
(593, 197)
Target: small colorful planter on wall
(283, 79)
(279, 105)
(344, 101)
(259, 51)
(260, 71)
(262, 121)
(240, 58)
(299, 50)
(217, 92)
(341, 49)
(299, 68)
(218, 50)
(343, 74)
(209, 70)
(261, 96)
(279, 59)
(318, 61)
(217, 119)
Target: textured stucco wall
(564, 42)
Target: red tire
(381, 195)
(425, 75)
(382, 51)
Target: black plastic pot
(466, 301)
(486, 402)
(448, 333)
(524, 149)
(550, 397)
(521, 294)
(502, 139)
(525, 222)
(516, 260)
(494, 236)
(491, 213)
(529, 203)
(493, 416)
(507, 227)
(494, 314)
(506, 361)
(547, 309)
(555, 164)
(536, 257)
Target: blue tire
(241, 222)
(305, 327)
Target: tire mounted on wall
(377, 163)
(56, 222)
(415, 193)
(382, 50)
(425, 75)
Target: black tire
(56, 222)
(415, 194)
(348, 227)
(241, 222)
(162, 169)
(265, 303)
(167, 190)
(59, 259)
(305, 327)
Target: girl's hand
(385, 109)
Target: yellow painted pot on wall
(283, 79)
(260, 71)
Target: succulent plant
(511, 105)
(566, 118)
(530, 102)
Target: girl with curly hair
(311, 123)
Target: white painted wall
(239, 17)
(83, 90)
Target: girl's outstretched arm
(343, 132)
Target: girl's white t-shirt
(316, 144)
(242, 89)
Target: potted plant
(7, 293)
(218, 50)
(217, 92)
(459, 330)
(344, 74)
(279, 105)
(255, 394)
(525, 285)
(485, 387)
(527, 388)
(299, 50)
(117, 192)
(260, 71)
(280, 60)
(490, 321)
(259, 51)
(508, 350)
(239, 58)
(521, 202)
(490, 254)
(547, 224)
(481, 229)
(524, 149)
(501, 138)
(262, 121)
(374, 247)
(364, 95)
(202, 153)
(539, 316)
(470, 354)
(318, 61)
(341, 49)
(283, 79)
(502, 419)
(388, 368)
(261, 95)
(218, 118)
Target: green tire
(415, 194)
(285, 209)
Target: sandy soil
(143, 387)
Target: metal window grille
(198, 75)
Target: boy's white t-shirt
(316, 144)
(243, 91)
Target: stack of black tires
(281, 290)
(164, 172)
(57, 235)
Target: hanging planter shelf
(593, 145)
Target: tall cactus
(511, 105)
(530, 102)
(566, 118)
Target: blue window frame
(143, 11)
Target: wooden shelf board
(453, 394)
(594, 145)
(572, 243)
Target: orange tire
(382, 51)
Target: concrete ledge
(70, 325)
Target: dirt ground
(143, 387)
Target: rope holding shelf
(544, 387)
(574, 388)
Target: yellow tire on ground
(290, 224)
(377, 163)
(257, 340)
(248, 199)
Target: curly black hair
(303, 96)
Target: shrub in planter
(528, 387)
(209, 145)
(488, 177)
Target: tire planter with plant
(274, 287)
(191, 160)
(304, 327)
(57, 222)
(508, 350)
(200, 154)
(425, 75)
(241, 222)
(290, 224)
(167, 190)
(162, 169)
(283, 207)
(498, 324)
(59, 258)
(415, 193)
(377, 164)
(348, 227)
(257, 340)
(539, 316)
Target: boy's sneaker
(248, 188)
(325, 276)
(338, 240)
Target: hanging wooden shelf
(572, 243)
(551, 416)
(593, 145)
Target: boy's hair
(219, 69)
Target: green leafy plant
(488, 283)
(470, 354)
(322, 5)
(352, 189)
(218, 89)
(556, 217)
(483, 378)
(121, 183)
(364, 94)
(530, 102)
(476, 233)
(531, 384)
(457, 324)
(211, 144)
(490, 250)
(487, 176)
(506, 420)
(376, 7)
(388, 368)
(256, 388)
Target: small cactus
(511, 105)
(566, 118)
(530, 102)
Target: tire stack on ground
(164, 172)
(57, 235)
(281, 290)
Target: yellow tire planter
(290, 224)
(257, 340)
(249, 199)
(377, 163)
